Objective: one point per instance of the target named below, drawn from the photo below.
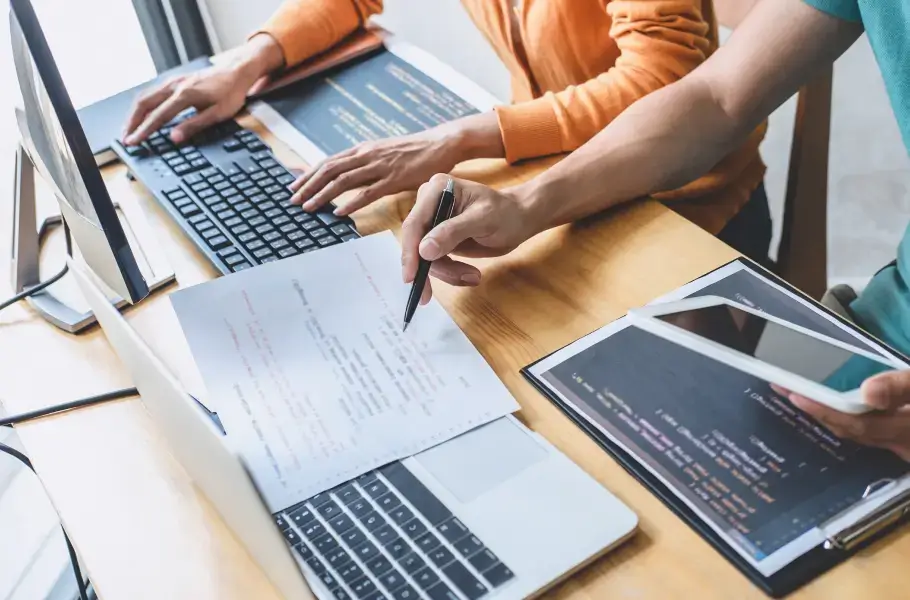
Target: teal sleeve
(847, 10)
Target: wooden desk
(145, 532)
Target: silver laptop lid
(198, 446)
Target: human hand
(888, 427)
(485, 222)
(217, 93)
(395, 165)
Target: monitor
(57, 146)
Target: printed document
(306, 364)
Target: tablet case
(788, 579)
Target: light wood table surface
(144, 531)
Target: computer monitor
(57, 146)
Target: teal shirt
(884, 306)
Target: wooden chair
(802, 256)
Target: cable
(77, 572)
(68, 406)
(44, 284)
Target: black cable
(77, 572)
(44, 284)
(67, 406)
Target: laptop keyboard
(384, 535)
(233, 196)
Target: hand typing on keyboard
(217, 93)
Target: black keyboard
(384, 535)
(229, 193)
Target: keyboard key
(469, 546)
(288, 252)
(199, 163)
(268, 163)
(195, 219)
(498, 574)
(272, 190)
(181, 202)
(379, 565)
(291, 536)
(251, 192)
(466, 583)
(284, 220)
(223, 185)
(414, 528)
(256, 221)
(294, 236)
(233, 199)
(341, 230)
(341, 523)
(259, 175)
(268, 205)
(398, 549)
(392, 580)
(247, 237)
(174, 193)
(250, 169)
(325, 544)
(201, 224)
(328, 579)
(271, 213)
(225, 214)
(340, 594)
(351, 572)
(269, 259)
(376, 488)
(316, 564)
(363, 587)
(427, 542)
(441, 556)
(244, 185)
(412, 563)
(366, 477)
(263, 253)
(265, 228)
(318, 233)
(401, 513)
(483, 560)
(388, 502)
(282, 523)
(305, 244)
(262, 155)
(320, 499)
(385, 534)
(441, 591)
(426, 578)
(238, 177)
(346, 493)
(453, 530)
(328, 218)
(326, 241)
(233, 259)
(271, 235)
(232, 222)
(218, 178)
(189, 210)
(193, 179)
(405, 593)
(308, 225)
(303, 550)
(337, 558)
(360, 508)
(419, 496)
(209, 172)
(366, 551)
(232, 145)
(218, 207)
(373, 521)
(302, 516)
(313, 530)
(241, 266)
(255, 244)
(285, 179)
(203, 194)
(353, 537)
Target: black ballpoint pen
(443, 211)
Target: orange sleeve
(304, 28)
(660, 41)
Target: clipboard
(831, 551)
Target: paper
(305, 362)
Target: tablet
(793, 357)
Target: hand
(395, 165)
(217, 93)
(484, 222)
(888, 427)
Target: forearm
(477, 136)
(661, 142)
(260, 56)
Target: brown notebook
(360, 43)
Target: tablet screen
(778, 345)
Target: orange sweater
(575, 66)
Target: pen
(443, 211)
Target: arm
(660, 41)
(666, 139)
(680, 132)
(304, 28)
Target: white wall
(869, 181)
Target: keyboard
(228, 192)
(384, 535)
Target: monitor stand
(28, 238)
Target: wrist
(477, 136)
(534, 206)
(260, 56)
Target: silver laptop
(495, 513)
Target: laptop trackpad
(482, 459)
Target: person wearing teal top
(678, 133)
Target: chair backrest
(802, 256)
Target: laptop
(497, 512)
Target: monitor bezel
(134, 282)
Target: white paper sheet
(305, 362)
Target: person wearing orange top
(575, 66)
